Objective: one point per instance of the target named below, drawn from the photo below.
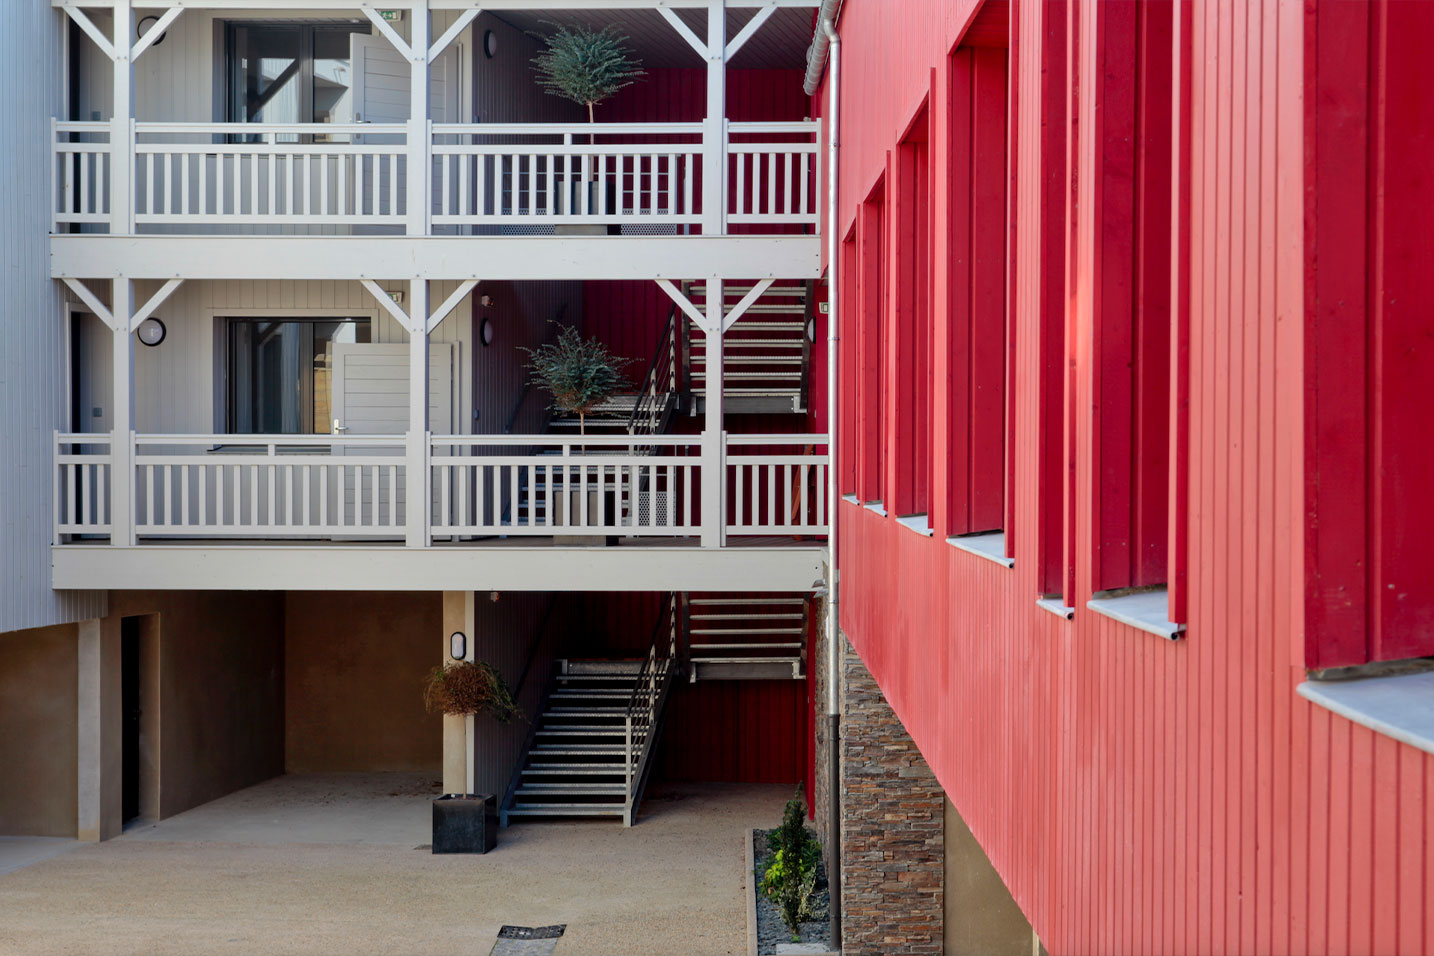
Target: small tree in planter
(580, 373)
(791, 877)
(585, 66)
(467, 823)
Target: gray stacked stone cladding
(892, 827)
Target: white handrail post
(122, 434)
(122, 124)
(420, 127)
(714, 140)
(714, 477)
(416, 444)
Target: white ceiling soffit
(780, 43)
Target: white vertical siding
(33, 364)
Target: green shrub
(791, 878)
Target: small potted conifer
(585, 66)
(467, 822)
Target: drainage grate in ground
(527, 940)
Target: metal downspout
(833, 42)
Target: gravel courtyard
(328, 864)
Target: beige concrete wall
(354, 668)
(38, 721)
(221, 690)
(981, 917)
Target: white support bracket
(745, 303)
(88, 25)
(155, 301)
(683, 303)
(451, 34)
(450, 303)
(748, 31)
(390, 306)
(100, 310)
(685, 32)
(155, 32)
(404, 50)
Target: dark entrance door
(131, 704)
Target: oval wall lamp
(145, 25)
(486, 333)
(458, 645)
(151, 332)
(490, 44)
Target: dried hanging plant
(460, 688)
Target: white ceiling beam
(745, 303)
(506, 258)
(451, 34)
(155, 301)
(684, 31)
(683, 303)
(750, 30)
(404, 50)
(86, 24)
(386, 301)
(100, 310)
(450, 303)
(155, 32)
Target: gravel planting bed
(770, 928)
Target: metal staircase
(746, 638)
(766, 355)
(590, 751)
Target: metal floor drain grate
(532, 932)
(527, 940)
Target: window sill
(1401, 706)
(1144, 610)
(851, 499)
(1055, 606)
(921, 524)
(876, 506)
(990, 545)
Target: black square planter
(465, 824)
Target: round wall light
(145, 25)
(490, 44)
(151, 332)
(811, 330)
(458, 645)
(485, 332)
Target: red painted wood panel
(1141, 796)
(910, 476)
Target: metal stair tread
(566, 809)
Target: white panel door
(370, 388)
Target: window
(291, 73)
(911, 323)
(871, 317)
(849, 382)
(976, 293)
(1131, 395)
(279, 373)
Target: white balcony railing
(325, 487)
(224, 178)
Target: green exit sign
(393, 16)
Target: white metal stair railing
(765, 354)
(746, 638)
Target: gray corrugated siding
(33, 357)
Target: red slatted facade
(1139, 795)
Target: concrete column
(457, 731)
(99, 731)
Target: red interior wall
(628, 316)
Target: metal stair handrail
(649, 693)
(657, 396)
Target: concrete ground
(321, 864)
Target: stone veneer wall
(893, 828)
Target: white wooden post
(420, 135)
(121, 437)
(417, 444)
(122, 124)
(714, 127)
(714, 467)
